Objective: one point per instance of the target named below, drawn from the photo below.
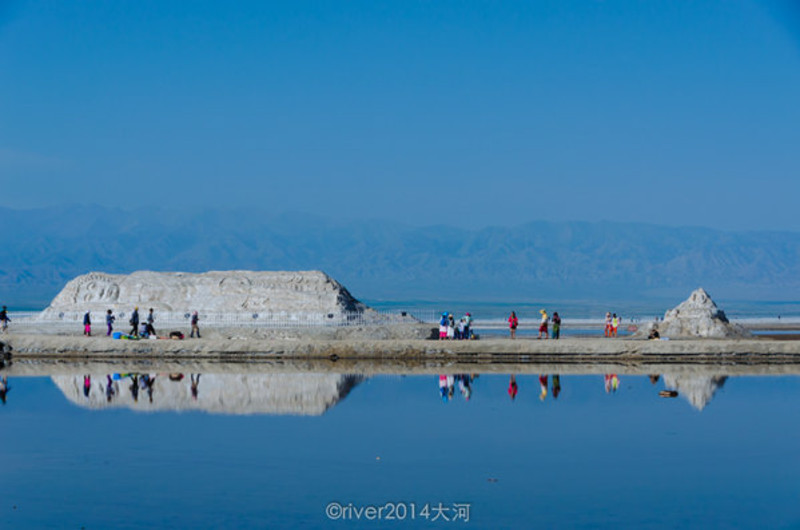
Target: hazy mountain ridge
(40, 250)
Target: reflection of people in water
(109, 388)
(135, 387)
(611, 383)
(147, 382)
(87, 385)
(556, 386)
(443, 387)
(195, 383)
(512, 387)
(4, 388)
(543, 387)
(465, 385)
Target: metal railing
(277, 320)
(291, 320)
(226, 319)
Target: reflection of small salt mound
(298, 394)
(699, 390)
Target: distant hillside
(40, 250)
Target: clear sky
(466, 113)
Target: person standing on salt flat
(543, 324)
(195, 327)
(150, 320)
(443, 326)
(4, 320)
(110, 318)
(556, 326)
(134, 322)
(513, 322)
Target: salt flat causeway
(23, 346)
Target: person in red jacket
(513, 322)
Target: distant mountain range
(40, 250)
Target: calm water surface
(273, 451)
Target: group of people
(144, 330)
(611, 327)
(555, 320)
(612, 324)
(452, 330)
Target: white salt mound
(697, 317)
(266, 294)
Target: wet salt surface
(627, 458)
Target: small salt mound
(697, 317)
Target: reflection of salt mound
(299, 394)
(698, 316)
(174, 294)
(699, 390)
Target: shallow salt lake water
(586, 459)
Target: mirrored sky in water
(627, 458)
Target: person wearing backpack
(443, 326)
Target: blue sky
(467, 113)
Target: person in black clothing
(195, 384)
(134, 322)
(195, 327)
(556, 320)
(4, 388)
(150, 319)
(4, 320)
